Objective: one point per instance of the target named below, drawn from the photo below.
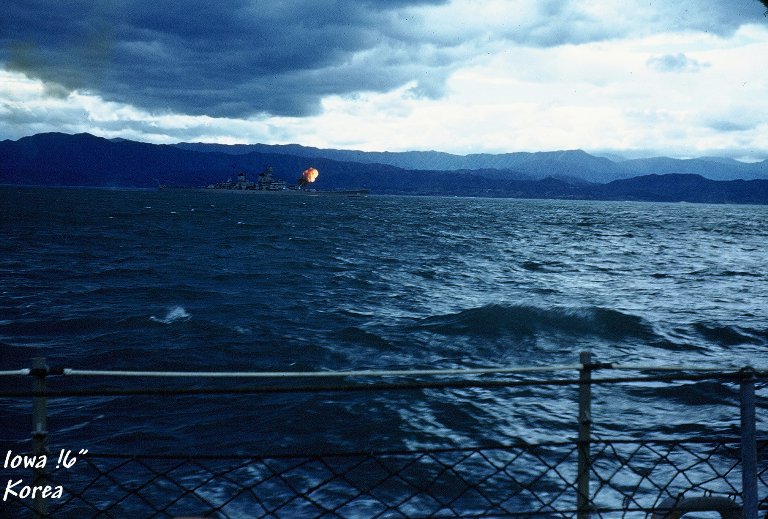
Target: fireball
(310, 174)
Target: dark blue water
(186, 280)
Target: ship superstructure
(266, 182)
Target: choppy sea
(188, 280)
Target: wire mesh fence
(630, 478)
(621, 478)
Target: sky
(633, 78)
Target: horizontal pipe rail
(320, 374)
(378, 386)
(760, 372)
(15, 373)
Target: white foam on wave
(177, 313)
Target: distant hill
(56, 159)
(83, 159)
(573, 164)
(684, 188)
(713, 168)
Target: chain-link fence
(579, 478)
(629, 478)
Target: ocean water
(188, 280)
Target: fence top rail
(14, 372)
(325, 374)
(386, 373)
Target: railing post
(39, 430)
(748, 443)
(585, 433)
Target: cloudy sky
(637, 78)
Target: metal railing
(583, 477)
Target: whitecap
(177, 313)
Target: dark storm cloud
(721, 17)
(245, 57)
(221, 59)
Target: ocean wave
(498, 319)
(544, 266)
(691, 394)
(730, 335)
(177, 313)
(356, 335)
(740, 273)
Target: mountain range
(572, 163)
(57, 159)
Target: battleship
(266, 183)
